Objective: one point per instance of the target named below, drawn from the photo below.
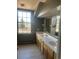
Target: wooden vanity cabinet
(48, 53)
(45, 49)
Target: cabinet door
(46, 51)
(42, 47)
(37, 42)
(55, 56)
(50, 54)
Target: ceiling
(29, 4)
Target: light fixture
(22, 4)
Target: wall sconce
(22, 4)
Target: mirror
(52, 24)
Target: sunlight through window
(24, 22)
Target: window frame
(23, 10)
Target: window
(24, 21)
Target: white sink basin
(51, 42)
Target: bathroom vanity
(47, 44)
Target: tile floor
(29, 52)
